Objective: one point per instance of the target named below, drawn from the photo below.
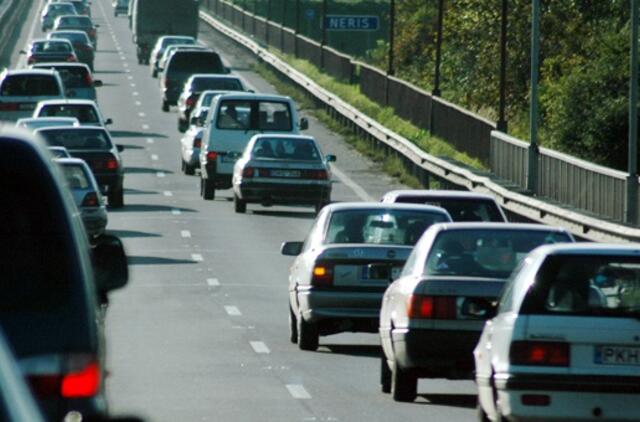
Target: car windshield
(76, 21)
(225, 84)
(77, 37)
(592, 285)
(76, 139)
(29, 85)
(490, 253)
(84, 113)
(51, 47)
(256, 115)
(196, 62)
(76, 177)
(460, 209)
(286, 149)
(380, 226)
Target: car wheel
(165, 106)
(116, 198)
(239, 205)
(385, 374)
(182, 125)
(308, 335)
(154, 73)
(293, 327)
(189, 170)
(482, 415)
(208, 189)
(404, 386)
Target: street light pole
(324, 32)
(631, 206)
(502, 120)
(436, 82)
(532, 168)
(392, 23)
(296, 28)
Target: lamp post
(284, 18)
(631, 205)
(532, 168)
(324, 32)
(296, 28)
(502, 120)
(436, 82)
(392, 22)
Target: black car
(81, 45)
(80, 23)
(94, 145)
(181, 66)
(50, 290)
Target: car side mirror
(304, 124)
(291, 248)
(120, 148)
(110, 264)
(331, 158)
(109, 121)
(226, 70)
(478, 308)
(97, 83)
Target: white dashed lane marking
(259, 347)
(185, 233)
(298, 391)
(197, 257)
(176, 211)
(154, 157)
(145, 127)
(160, 174)
(232, 311)
(167, 193)
(213, 282)
(150, 140)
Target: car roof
(588, 248)
(346, 206)
(50, 40)
(46, 119)
(438, 193)
(47, 65)
(242, 95)
(71, 161)
(74, 128)
(498, 226)
(213, 76)
(68, 101)
(12, 72)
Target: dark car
(81, 45)
(47, 51)
(52, 10)
(76, 77)
(181, 66)
(93, 144)
(50, 286)
(81, 23)
(83, 7)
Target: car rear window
(607, 286)
(75, 176)
(254, 115)
(77, 139)
(74, 76)
(76, 21)
(460, 209)
(380, 226)
(84, 113)
(77, 37)
(54, 46)
(29, 85)
(286, 149)
(222, 84)
(485, 253)
(195, 62)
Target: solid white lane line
(356, 188)
(197, 257)
(259, 347)
(185, 233)
(168, 193)
(298, 391)
(154, 157)
(176, 211)
(213, 282)
(160, 174)
(232, 311)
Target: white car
(190, 145)
(565, 343)
(33, 123)
(21, 90)
(86, 111)
(432, 315)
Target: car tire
(239, 205)
(481, 414)
(208, 188)
(404, 386)
(308, 336)
(165, 106)
(116, 198)
(183, 125)
(189, 170)
(154, 73)
(293, 327)
(385, 374)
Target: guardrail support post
(296, 30)
(532, 168)
(502, 120)
(631, 205)
(436, 82)
(324, 33)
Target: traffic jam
(537, 324)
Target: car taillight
(44, 385)
(84, 383)
(317, 174)
(111, 164)
(191, 101)
(322, 275)
(431, 307)
(167, 84)
(88, 79)
(539, 353)
(90, 200)
(248, 172)
(8, 106)
(71, 58)
(212, 156)
(197, 142)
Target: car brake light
(539, 353)
(248, 172)
(44, 385)
(84, 383)
(431, 307)
(8, 106)
(319, 175)
(190, 101)
(88, 78)
(112, 164)
(197, 142)
(322, 275)
(71, 58)
(212, 156)
(90, 200)
(31, 60)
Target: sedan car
(77, 79)
(198, 83)
(340, 273)
(462, 205)
(46, 51)
(21, 90)
(432, 315)
(282, 170)
(82, 45)
(52, 10)
(86, 195)
(82, 6)
(82, 23)
(190, 149)
(161, 45)
(120, 7)
(94, 145)
(34, 123)
(564, 344)
(86, 111)
(170, 49)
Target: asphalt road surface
(200, 333)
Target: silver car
(33, 123)
(76, 77)
(86, 195)
(341, 271)
(282, 170)
(86, 111)
(190, 149)
(432, 316)
(52, 10)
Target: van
(232, 121)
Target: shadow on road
(108, 71)
(150, 208)
(467, 401)
(132, 134)
(145, 170)
(130, 191)
(369, 351)
(155, 260)
(129, 146)
(132, 233)
(304, 215)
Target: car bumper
(285, 193)
(95, 221)
(435, 352)
(108, 182)
(316, 305)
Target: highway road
(200, 333)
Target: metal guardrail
(531, 208)
(10, 13)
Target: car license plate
(285, 173)
(617, 355)
(229, 158)
(381, 272)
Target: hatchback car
(282, 170)
(54, 50)
(50, 287)
(38, 122)
(432, 315)
(86, 111)
(76, 77)
(86, 195)
(198, 83)
(52, 10)
(462, 205)
(565, 343)
(94, 145)
(82, 23)
(82, 45)
(21, 90)
(161, 45)
(340, 273)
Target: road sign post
(631, 205)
